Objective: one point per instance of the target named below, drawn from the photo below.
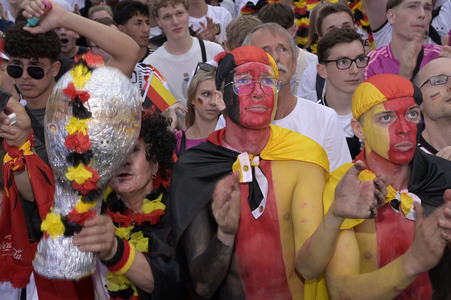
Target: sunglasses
(35, 72)
(204, 67)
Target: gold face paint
(376, 137)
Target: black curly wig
(21, 43)
(160, 141)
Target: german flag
(155, 93)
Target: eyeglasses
(245, 86)
(345, 63)
(204, 67)
(35, 72)
(437, 80)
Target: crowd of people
(278, 173)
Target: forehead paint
(435, 96)
(200, 101)
(256, 70)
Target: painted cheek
(377, 138)
(402, 133)
(435, 96)
(200, 101)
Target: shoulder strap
(37, 127)
(202, 49)
(319, 85)
(417, 67)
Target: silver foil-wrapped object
(115, 105)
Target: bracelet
(117, 256)
(14, 155)
(123, 259)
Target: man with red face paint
(391, 255)
(259, 232)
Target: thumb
(419, 213)
(447, 195)
(446, 40)
(355, 170)
(33, 30)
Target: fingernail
(441, 222)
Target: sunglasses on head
(204, 67)
(35, 72)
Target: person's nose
(402, 127)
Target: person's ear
(357, 127)
(391, 16)
(121, 28)
(56, 68)
(292, 30)
(321, 70)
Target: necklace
(134, 228)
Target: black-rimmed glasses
(437, 80)
(245, 86)
(345, 62)
(35, 72)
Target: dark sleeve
(168, 282)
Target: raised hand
(17, 134)
(408, 60)
(226, 205)
(432, 234)
(171, 113)
(98, 236)
(50, 20)
(358, 199)
(446, 47)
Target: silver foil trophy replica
(92, 121)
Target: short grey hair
(274, 28)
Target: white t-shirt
(441, 23)
(220, 15)
(155, 31)
(318, 122)
(345, 121)
(321, 124)
(304, 60)
(176, 69)
(307, 86)
(230, 6)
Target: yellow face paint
(377, 137)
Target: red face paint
(256, 109)
(390, 129)
(403, 131)
(200, 101)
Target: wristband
(14, 155)
(123, 259)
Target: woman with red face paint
(392, 254)
(204, 107)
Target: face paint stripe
(435, 96)
(200, 101)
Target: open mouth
(64, 41)
(123, 175)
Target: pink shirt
(382, 60)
